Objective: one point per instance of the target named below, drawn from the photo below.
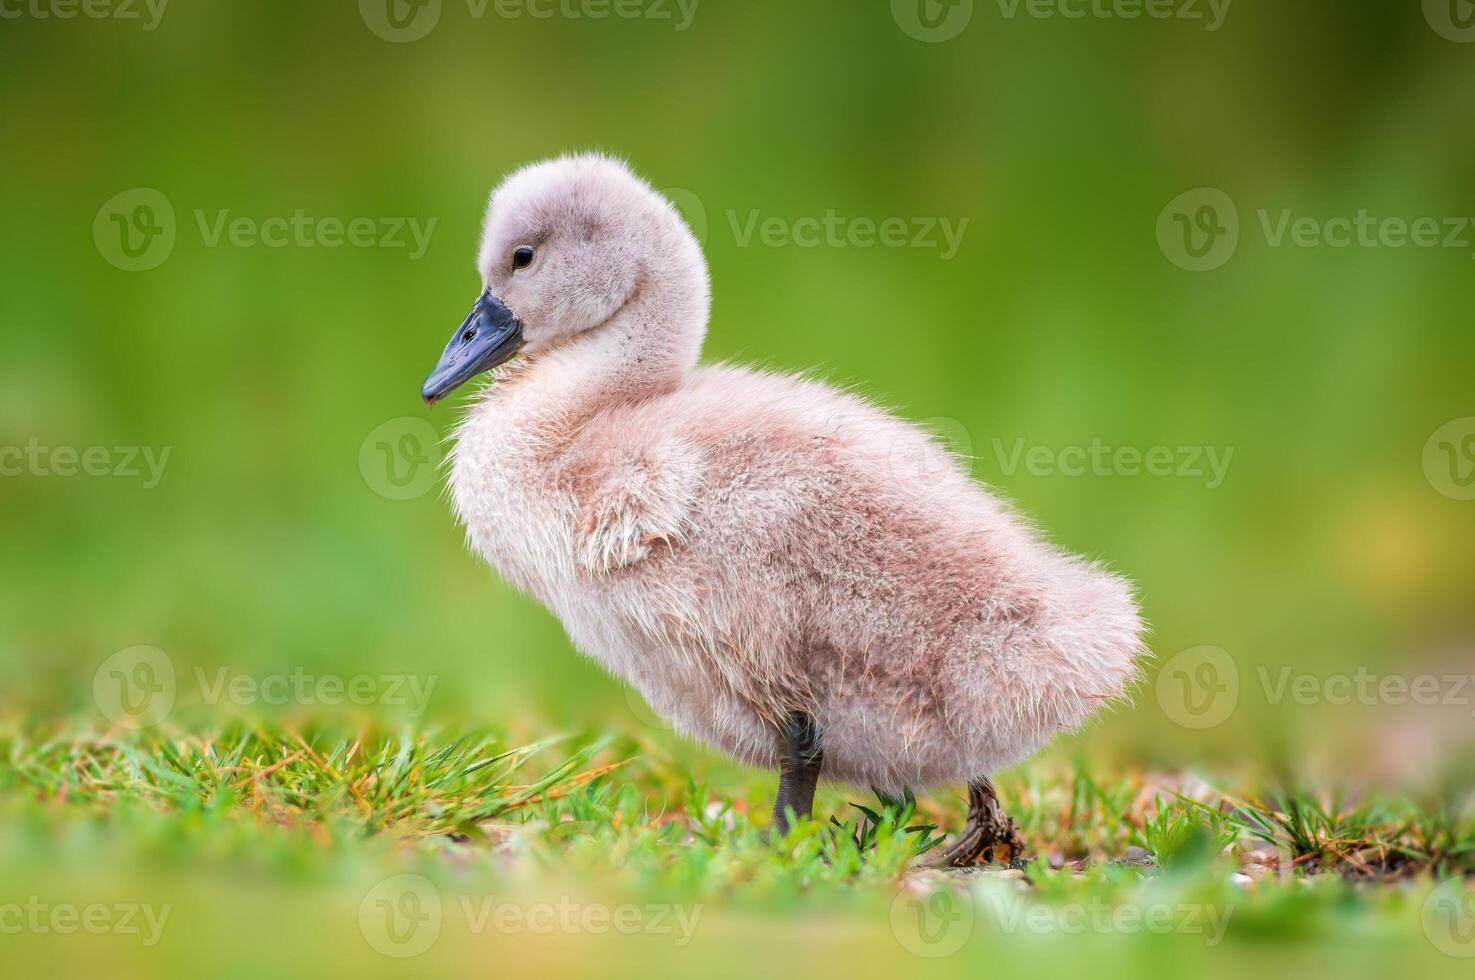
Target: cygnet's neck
(646, 348)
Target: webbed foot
(989, 837)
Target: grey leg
(798, 770)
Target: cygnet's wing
(637, 500)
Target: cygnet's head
(572, 247)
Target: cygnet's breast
(514, 512)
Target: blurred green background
(1064, 319)
(282, 380)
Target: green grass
(315, 819)
(412, 785)
(415, 785)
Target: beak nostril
(489, 337)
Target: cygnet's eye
(522, 257)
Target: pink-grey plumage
(741, 546)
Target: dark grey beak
(490, 336)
